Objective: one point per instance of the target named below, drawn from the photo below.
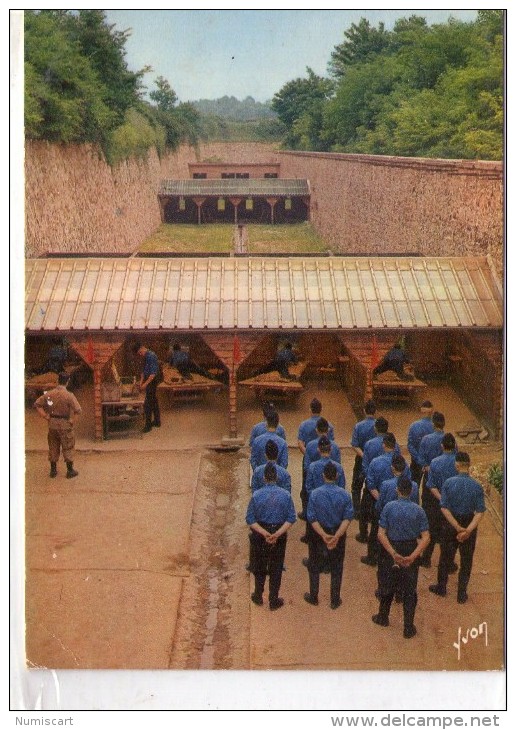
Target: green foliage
(77, 86)
(164, 95)
(229, 107)
(495, 477)
(418, 90)
(134, 138)
(299, 105)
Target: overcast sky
(213, 53)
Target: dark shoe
(436, 588)
(425, 563)
(366, 560)
(311, 600)
(326, 569)
(380, 620)
(301, 516)
(255, 598)
(303, 539)
(274, 605)
(156, 425)
(305, 562)
(462, 597)
(398, 597)
(70, 471)
(454, 568)
(146, 429)
(53, 469)
(361, 538)
(409, 631)
(336, 604)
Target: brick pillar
(233, 426)
(97, 400)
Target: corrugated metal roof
(249, 186)
(259, 293)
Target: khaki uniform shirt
(59, 402)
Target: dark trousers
(187, 369)
(280, 366)
(393, 579)
(367, 510)
(435, 519)
(303, 493)
(357, 482)
(319, 556)
(372, 540)
(267, 560)
(416, 471)
(151, 405)
(449, 547)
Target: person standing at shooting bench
(149, 381)
(60, 408)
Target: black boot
(70, 471)
(53, 469)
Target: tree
(164, 95)
(302, 99)
(363, 42)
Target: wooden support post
(233, 426)
(272, 202)
(198, 202)
(97, 400)
(235, 203)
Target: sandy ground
(139, 562)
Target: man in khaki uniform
(60, 408)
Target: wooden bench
(394, 389)
(182, 389)
(272, 384)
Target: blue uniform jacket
(283, 479)
(380, 469)
(150, 364)
(258, 450)
(416, 432)
(441, 469)
(329, 506)
(363, 432)
(388, 493)
(312, 453)
(307, 431)
(430, 447)
(261, 427)
(403, 520)
(272, 505)
(462, 495)
(315, 478)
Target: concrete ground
(139, 562)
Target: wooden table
(123, 417)
(274, 385)
(395, 389)
(180, 388)
(38, 384)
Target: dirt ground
(139, 563)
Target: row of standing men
(400, 535)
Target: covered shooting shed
(232, 200)
(351, 309)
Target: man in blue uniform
(258, 455)
(430, 445)
(389, 487)
(403, 535)
(261, 427)
(329, 512)
(441, 468)
(285, 356)
(315, 472)
(394, 360)
(270, 514)
(417, 430)
(362, 433)
(463, 506)
(282, 476)
(378, 471)
(149, 383)
(312, 447)
(308, 432)
(181, 360)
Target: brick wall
(376, 205)
(76, 203)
